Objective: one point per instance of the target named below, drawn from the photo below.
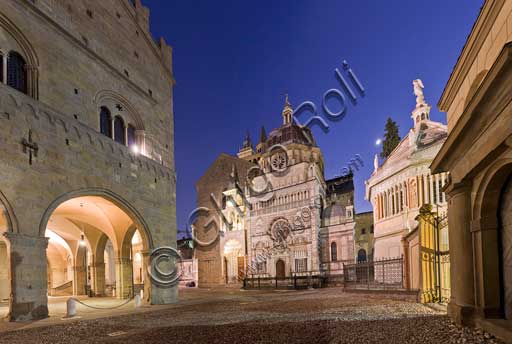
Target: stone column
(98, 277)
(437, 190)
(407, 274)
(124, 278)
(462, 300)
(80, 280)
(431, 185)
(28, 274)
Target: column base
(461, 315)
(27, 311)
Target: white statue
(418, 92)
(376, 162)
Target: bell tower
(422, 111)
(287, 112)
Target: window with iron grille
(301, 265)
(334, 252)
(261, 267)
(17, 72)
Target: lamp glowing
(135, 149)
(82, 241)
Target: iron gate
(375, 275)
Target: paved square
(236, 316)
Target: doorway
(280, 269)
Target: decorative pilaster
(462, 300)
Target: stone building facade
(86, 151)
(478, 155)
(364, 237)
(403, 182)
(271, 212)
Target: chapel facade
(403, 183)
(87, 176)
(275, 214)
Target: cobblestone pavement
(233, 316)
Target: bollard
(70, 308)
(137, 301)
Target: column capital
(123, 260)
(452, 189)
(16, 239)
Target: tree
(391, 138)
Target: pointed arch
(130, 114)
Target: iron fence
(302, 280)
(375, 275)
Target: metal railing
(300, 280)
(387, 274)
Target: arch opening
(95, 248)
(5, 283)
(492, 214)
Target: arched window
(361, 256)
(1, 68)
(105, 122)
(334, 252)
(119, 134)
(131, 135)
(17, 72)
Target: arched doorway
(232, 266)
(95, 247)
(280, 269)
(5, 281)
(361, 256)
(506, 246)
(491, 226)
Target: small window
(334, 252)
(301, 265)
(17, 72)
(119, 135)
(363, 231)
(371, 229)
(105, 122)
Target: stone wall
(79, 56)
(74, 76)
(215, 180)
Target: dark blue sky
(234, 60)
